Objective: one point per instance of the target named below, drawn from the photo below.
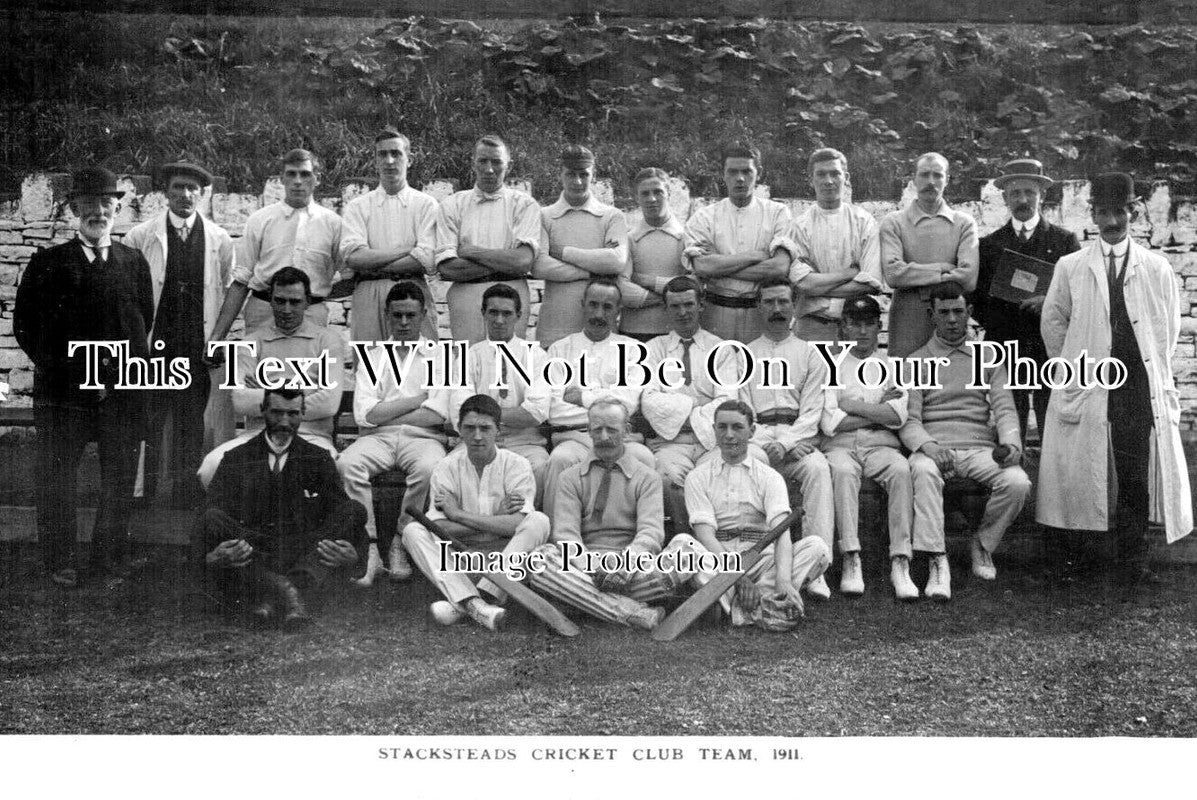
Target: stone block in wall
(6, 326)
(10, 213)
(679, 198)
(1184, 225)
(14, 359)
(44, 230)
(11, 237)
(1157, 208)
(41, 192)
(153, 204)
(1188, 325)
(230, 211)
(990, 211)
(20, 381)
(9, 273)
(16, 252)
(439, 190)
(273, 191)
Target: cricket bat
(537, 605)
(685, 614)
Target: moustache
(777, 317)
(597, 321)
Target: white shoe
(819, 588)
(851, 578)
(446, 613)
(400, 566)
(374, 567)
(899, 576)
(646, 618)
(939, 581)
(486, 615)
(983, 566)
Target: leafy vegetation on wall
(662, 93)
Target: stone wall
(40, 218)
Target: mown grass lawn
(1012, 659)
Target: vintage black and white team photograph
(705, 370)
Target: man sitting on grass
(278, 521)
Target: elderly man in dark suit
(278, 521)
(88, 289)
(1022, 184)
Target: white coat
(150, 238)
(1073, 480)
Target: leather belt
(564, 428)
(729, 302)
(745, 534)
(264, 296)
(780, 416)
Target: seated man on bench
(948, 433)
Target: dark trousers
(293, 554)
(1130, 443)
(62, 433)
(1024, 400)
(175, 440)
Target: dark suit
(282, 516)
(1004, 321)
(64, 298)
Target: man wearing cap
(88, 289)
(1022, 183)
(294, 232)
(682, 417)
(191, 263)
(837, 252)
(389, 234)
(787, 411)
(923, 245)
(1112, 459)
(736, 243)
(484, 235)
(581, 238)
(655, 255)
(860, 417)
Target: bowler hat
(95, 181)
(1022, 169)
(201, 175)
(1112, 190)
(860, 308)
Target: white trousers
(1008, 490)
(384, 449)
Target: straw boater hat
(1022, 169)
(93, 181)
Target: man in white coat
(191, 264)
(1115, 298)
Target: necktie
(1022, 234)
(99, 257)
(183, 231)
(275, 465)
(503, 392)
(600, 499)
(1113, 269)
(687, 374)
